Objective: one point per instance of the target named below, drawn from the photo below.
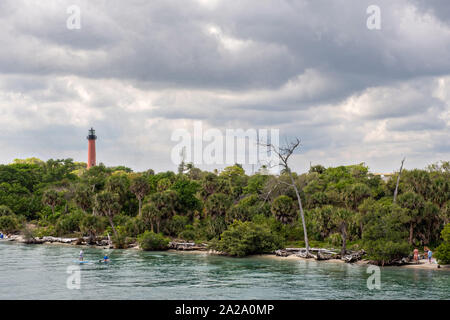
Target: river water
(41, 272)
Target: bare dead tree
(284, 153)
(398, 181)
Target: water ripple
(40, 272)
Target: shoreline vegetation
(287, 254)
(343, 213)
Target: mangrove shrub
(153, 241)
(244, 238)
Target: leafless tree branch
(398, 181)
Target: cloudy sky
(138, 70)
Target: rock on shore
(321, 254)
(187, 246)
(50, 239)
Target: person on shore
(416, 255)
(430, 254)
(1, 235)
(81, 255)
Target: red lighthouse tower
(91, 150)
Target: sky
(138, 70)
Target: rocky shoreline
(322, 254)
(50, 240)
(331, 254)
(101, 243)
(188, 246)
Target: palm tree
(140, 187)
(355, 194)
(108, 205)
(90, 224)
(341, 218)
(414, 203)
(217, 205)
(51, 198)
(283, 209)
(83, 197)
(151, 215)
(161, 206)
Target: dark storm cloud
(168, 42)
(438, 8)
(138, 69)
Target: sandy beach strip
(423, 264)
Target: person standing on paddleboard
(81, 255)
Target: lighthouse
(91, 149)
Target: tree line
(345, 206)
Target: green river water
(41, 272)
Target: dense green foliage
(245, 238)
(345, 206)
(9, 223)
(283, 208)
(385, 233)
(153, 241)
(443, 251)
